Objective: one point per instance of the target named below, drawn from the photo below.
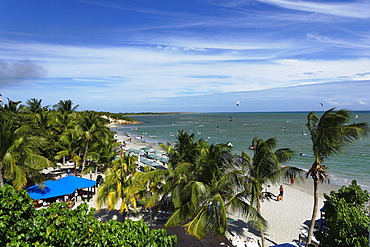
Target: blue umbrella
(60, 187)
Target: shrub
(57, 225)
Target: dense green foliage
(345, 218)
(204, 182)
(19, 159)
(22, 225)
(34, 137)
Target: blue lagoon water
(240, 128)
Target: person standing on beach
(281, 192)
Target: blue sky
(184, 55)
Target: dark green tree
(345, 218)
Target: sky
(187, 56)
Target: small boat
(251, 147)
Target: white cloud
(358, 9)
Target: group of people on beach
(269, 195)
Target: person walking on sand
(281, 192)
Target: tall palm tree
(65, 106)
(71, 147)
(264, 168)
(19, 162)
(329, 134)
(202, 186)
(120, 184)
(61, 122)
(91, 127)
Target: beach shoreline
(286, 218)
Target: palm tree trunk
(259, 225)
(1, 177)
(315, 208)
(84, 157)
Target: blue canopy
(60, 187)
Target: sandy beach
(285, 218)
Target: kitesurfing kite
(238, 102)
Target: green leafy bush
(345, 218)
(57, 225)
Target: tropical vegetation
(19, 161)
(120, 184)
(346, 222)
(34, 137)
(263, 169)
(329, 134)
(205, 182)
(201, 186)
(22, 225)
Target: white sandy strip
(285, 218)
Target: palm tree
(34, 105)
(62, 121)
(207, 191)
(329, 135)
(184, 150)
(13, 106)
(120, 184)
(103, 156)
(263, 169)
(71, 147)
(91, 127)
(202, 186)
(65, 106)
(18, 159)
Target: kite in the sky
(321, 104)
(238, 103)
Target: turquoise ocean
(288, 128)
